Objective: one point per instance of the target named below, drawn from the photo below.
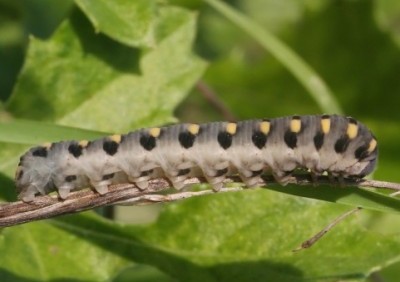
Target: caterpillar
(339, 145)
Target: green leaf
(295, 64)
(103, 85)
(246, 236)
(352, 196)
(74, 64)
(82, 79)
(249, 236)
(132, 100)
(129, 22)
(32, 132)
(143, 273)
(42, 252)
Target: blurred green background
(353, 45)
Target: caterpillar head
(33, 175)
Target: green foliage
(113, 66)
(306, 76)
(129, 22)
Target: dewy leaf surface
(129, 22)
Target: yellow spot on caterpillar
(265, 127)
(326, 125)
(231, 128)
(47, 145)
(372, 145)
(352, 130)
(295, 125)
(155, 132)
(193, 128)
(116, 138)
(83, 143)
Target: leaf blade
(129, 22)
(310, 80)
(352, 196)
(32, 132)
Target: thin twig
(395, 194)
(156, 198)
(213, 99)
(308, 243)
(50, 206)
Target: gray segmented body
(339, 145)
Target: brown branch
(50, 206)
(215, 101)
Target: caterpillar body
(335, 144)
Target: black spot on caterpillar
(224, 139)
(75, 149)
(259, 139)
(341, 144)
(290, 139)
(335, 144)
(183, 172)
(110, 147)
(318, 140)
(186, 139)
(148, 142)
(70, 178)
(108, 176)
(40, 152)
